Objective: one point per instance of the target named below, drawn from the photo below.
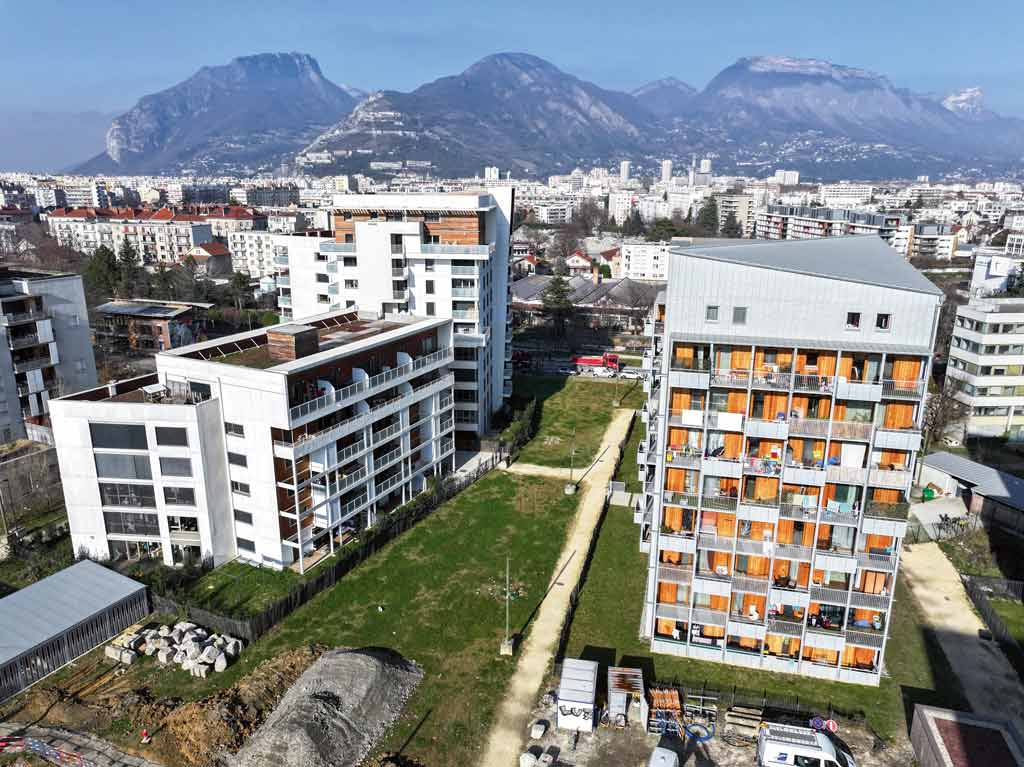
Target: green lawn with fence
(607, 620)
(436, 595)
(574, 411)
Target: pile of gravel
(335, 712)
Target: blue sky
(92, 58)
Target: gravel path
(506, 739)
(989, 681)
(91, 749)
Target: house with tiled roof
(213, 259)
(579, 264)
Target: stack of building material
(666, 712)
(184, 644)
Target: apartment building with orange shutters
(783, 425)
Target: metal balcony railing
(904, 389)
(814, 383)
(727, 377)
(878, 509)
(825, 594)
(762, 467)
(456, 250)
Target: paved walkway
(91, 749)
(505, 741)
(989, 681)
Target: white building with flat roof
(274, 446)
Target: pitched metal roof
(855, 258)
(989, 482)
(55, 604)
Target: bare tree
(942, 411)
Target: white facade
(624, 172)
(666, 171)
(621, 206)
(389, 267)
(157, 238)
(45, 345)
(261, 460)
(91, 195)
(252, 252)
(642, 260)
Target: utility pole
(507, 645)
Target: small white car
(566, 371)
(632, 373)
(603, 373)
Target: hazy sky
(105, 55)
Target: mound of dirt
(205, 730)
(335, 713)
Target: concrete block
(221, 663)
(128, 657)
(164, 630)
(165, 656)
(112, 652)
(209, 654)
(233, 648)
(201, 670)
(192, 652)
(150, 649)
(184, 626)
(134, 642)
(180, 656)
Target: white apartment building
(986, 357)
(274, 446)
(252, 252)
(934, 241)
(48, 196)
(666, 171)
(845, 195)
(1015, 245)
(741, 206)
(642, 260)
(783, 428)
(788, 222)
(45, 345)
(621, 206)
(433, 255)
(160, 236)
(1014, 220)
(624, 167)
(553, 213)
(90, 195)
(224, 222)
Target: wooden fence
(981, 590)
(388, 528)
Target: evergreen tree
(129, 271)
(707, 218)
(240, 288)
(101, 274)
(556, 303)
(163, 283)
(731, 227)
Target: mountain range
(520, 112)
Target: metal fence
(944, 530)
(981, 590)
(388, 527)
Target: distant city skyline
(105, 62)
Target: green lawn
(607, 621)
(240, 589)
(1001, 556)
(573, 405)
(1012, 613)
(441, 585)
(628, 470)
(17, 572)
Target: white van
(783, 744)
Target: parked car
(631, 373)
(602, 373)
(564, 371)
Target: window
(237, 459)
(428, 265)
(430, 308)
(118, 436)
(883, 321)
(131, 523)
(124, 494)
(171, 437)
(243, 516)
(711, 314)
(853, 320)
(349, 262)
(244, 544)
(350, 237)
(322, 277)
(346, 215)
(349, 304)
(179, 496)
(322, 299)
(123, 466)
(351, 284)
(183, 524)
(430, 287)
(739, 315)
(176, 467)
(242, 488)
(234, 429)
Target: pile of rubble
(184, 644)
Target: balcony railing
(32, 316)
(809, 427)
(896, 479)
(683, 457)
(797, 511)
(727, 377)
(785, 627)
(869, 601)
(23, 341)
(762, 467)
(690, 365)
(851, 430)
(675, 573)
(367, 386)
(790, 551)
(881, 562)
(714, 541)
(903, 389)
(825, 594)
(814, 383)
(470, 271)
(719, 502)
(283, 300)
(337, 247)
(767, 379)
(881, 510)
(456, 250)
(391, 482)
(465, 292)
(283, 280)
(749, 584)
(33, 364)
(464, 314)
(710, 617)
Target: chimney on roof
(287, 343)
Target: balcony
(881, 562)
(400, 295)
(694, 418)
(456, 250)
(858, 390)
(762, 467)
(797, 474)
(465, 292)
(794, 511)
(334, 289)
(22, 342)
(809, 427)
(763, 428)
(894, 479)
(685, 457)
(869, 601)
(281, 260)
(337, 247)
(722, 467)
(283, 280)
(880, 510)
(791, 551)
(16, 319)
(785, 627)
(687, 500)
(469, 271)
(465, 314)
(825, 594)
(719, 502)
(730, 378)
(767, 379)
(709, 617)
(283, 300)
(859, 430)
(847, 475)
(750, 585)
(332, 268)
(399, 271)
(652, 328)
(904, 389)
(814, 383)
(33, 364)
(681, 574)
(898, 439)
(717, 419)
(716, 542)
(865, 638)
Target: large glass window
(131, 523)
(118, 436)
(123, 466)
(179, 496)
(124, 494)
(176, 467)
(171, 436)
(183, 524)
(237, 459)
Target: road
(505, 741)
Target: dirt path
(504, 744)
(91, 749)
(541, 471)
(989, 681)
